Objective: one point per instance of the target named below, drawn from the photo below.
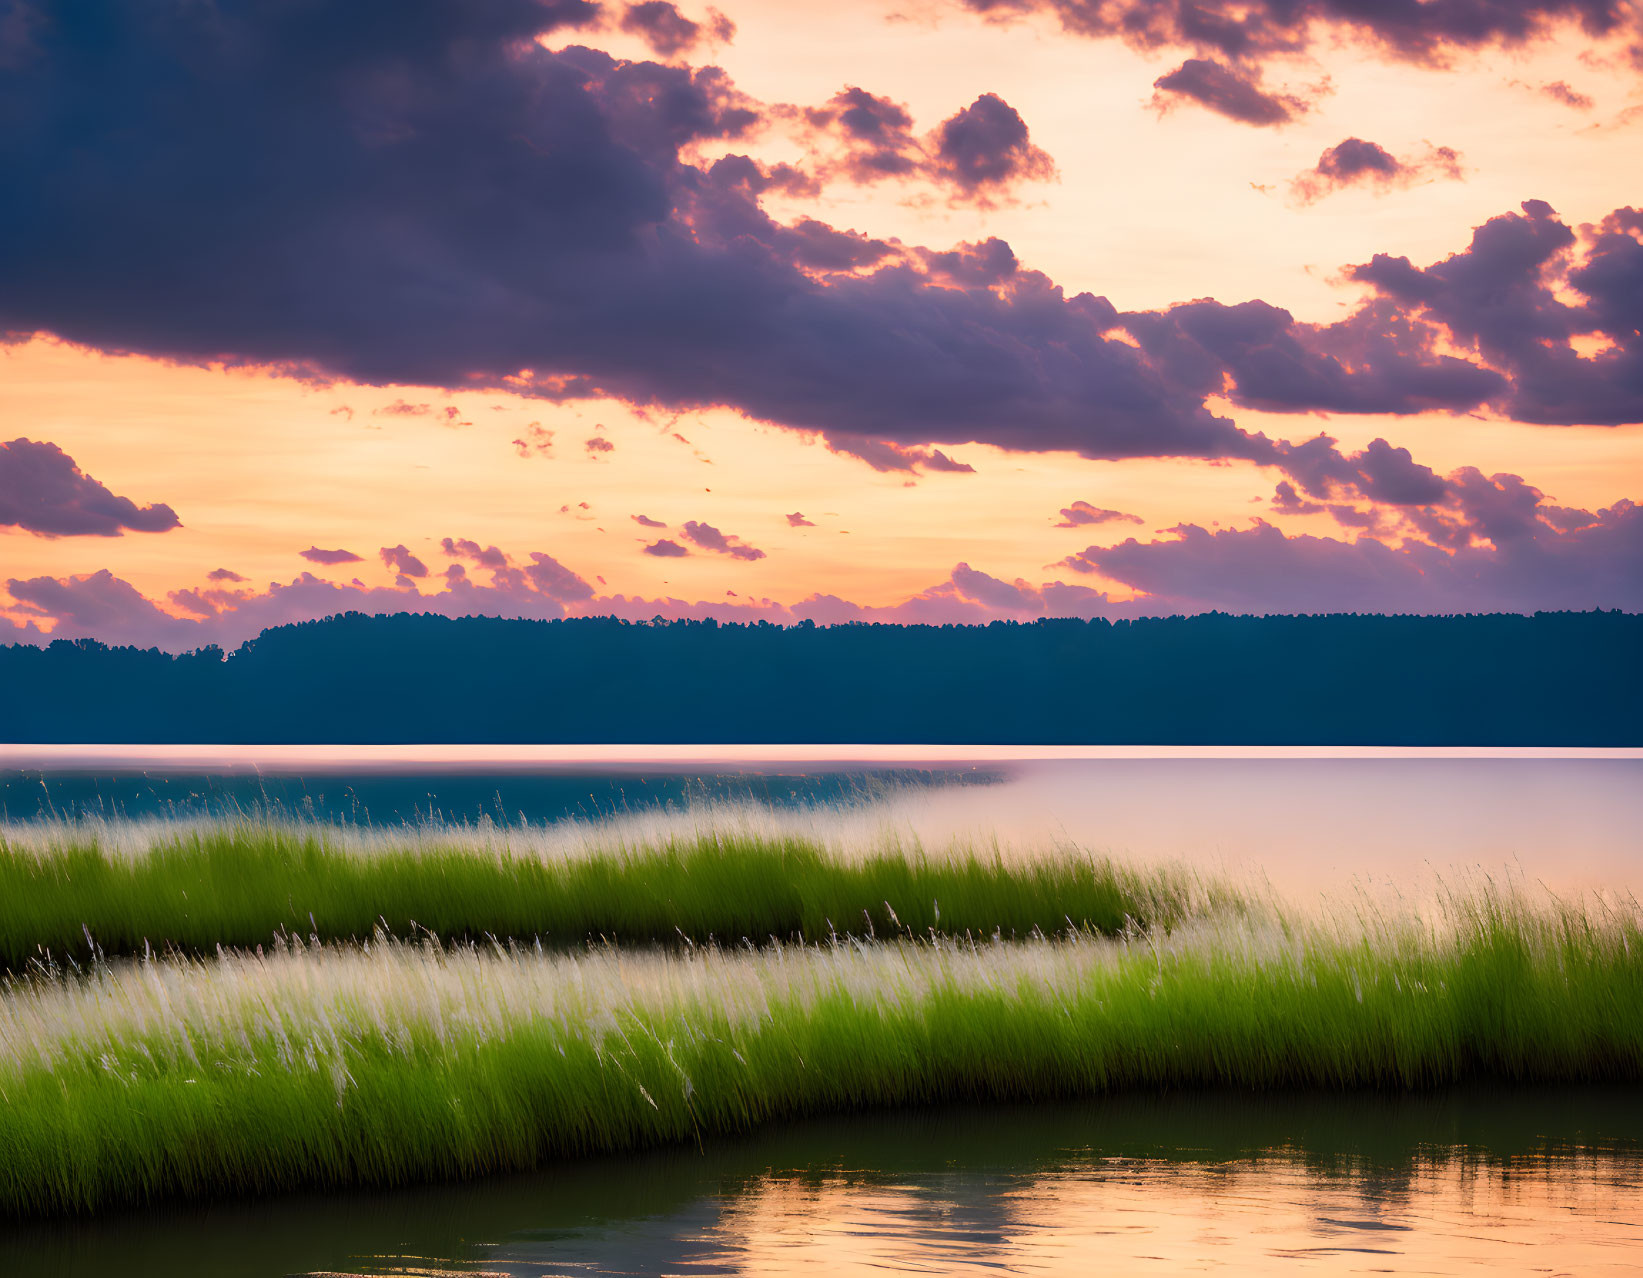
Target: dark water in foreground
(1547, 1181)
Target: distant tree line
(1550, 679)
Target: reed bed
(386, 1062)
(69, 897)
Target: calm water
(1308, 819)
(1548, 1182)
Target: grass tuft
(69, 899)
(383, 1063)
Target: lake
(1526, 1181)
(1307, 819)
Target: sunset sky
(934, 310)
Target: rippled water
(1545, 1182)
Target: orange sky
(1148, 209)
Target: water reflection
(1517, 1182)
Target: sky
(938, 310)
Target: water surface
(1543, 1182)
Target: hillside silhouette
(1553, 679)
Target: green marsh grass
(387, 1062)
(242, 886)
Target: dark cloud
(710, 538)
(1355, 162)
(315, 555)
(1260, 569)
(885, 455)
(976, 154)
(484, 556)
(985, 148)
(1227, 91)
(597, 444)
(668, 32)
(1081, 512)
(223, 574)
(645, 521)
(878, 134)
(44, 492)
(797, 520)
(666, 549)
(982, 265)
(436, 199)
(1504, 298)
(1425, 31)
(1371, 362)
(402, 561)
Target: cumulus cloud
(598, 444)
(665, 549)
(315, 555)
(1227, 91)
(601, 262)
(1260, 569)
(645, 521)
(668, 32)
(1081, 513)
(42, 491)
(710, 538)
(1519, 295)
(402, 561)
(985, 148)
(482, 556)
(977, 154)
(797, 520)
(1254, 31)
(1356, 162)
(223, 574)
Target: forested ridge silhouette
(1553, 679)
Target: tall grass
(241, 886)
(390, 1062)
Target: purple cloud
(985, 147)
(666, 549)
(485, 557)
(315, 555)
(1355, 162)
(223, 574)
(668, 32)
(1227, 91)
(797, 520)
(1260, 569)
(402, 561)
(42, 491)
(553, 579)
(702, 299)
(1500, 298)
(710, 538)
(1251, 31)
(1559, 91)
(1081, 512)
(645, 521)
